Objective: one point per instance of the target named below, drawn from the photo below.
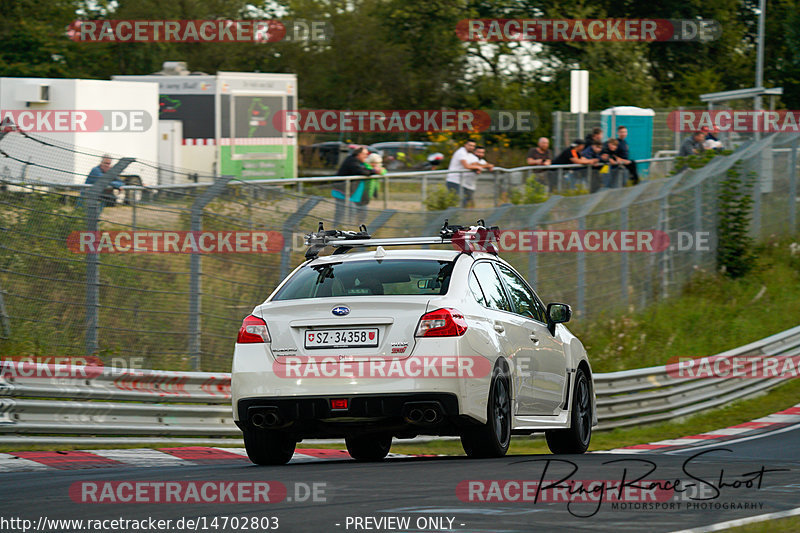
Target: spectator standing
(540, 154)
(596, 135)
(624, 154)
(614, 162)
(353, 165)
(108, 195)
(594, 152)
(463, 183)
(572, 156)
(480, 154)
(692, 145)
(374, 162)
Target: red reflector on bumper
(339, 403)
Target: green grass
(783, 396)
(712, 314)
(783, 525)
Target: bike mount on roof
(470, 239)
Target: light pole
(762, 7)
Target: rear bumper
(254, 379)
(406, 414)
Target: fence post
(755, 218)
(698, 219)
(195, 271)
(5, 324)
(793, 186)
(537, 216)
(289, 227)
(663, 216)
(557, 132)
(93, 199)
(623, 271)
(496, 188)
(630, 197)
(347, 213)
(386, 191)
(582, 272)
(133, 210)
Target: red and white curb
(29, 461)
(145, 457)
(771, 422)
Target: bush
(735, 255)
(578, 191)
(441, 198)
(532, 193)
(696, 161)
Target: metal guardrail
(42, 409)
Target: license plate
(341, 338)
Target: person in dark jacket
(624, 153)
(353, 165)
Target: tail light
(442, 323)
(253, 330)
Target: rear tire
(575, 439)
(266, 447)
(369, 447)
(494, 437)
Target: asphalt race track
(720, 482)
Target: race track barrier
(47, 403)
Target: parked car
(356, 345)
(391, 150)
(330, 154)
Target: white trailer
(81, 120)
(228, 124)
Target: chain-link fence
(181, 309)
(665, 141)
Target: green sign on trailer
(228, 124)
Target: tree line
(405, 54)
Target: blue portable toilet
(639, 122)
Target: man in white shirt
(463, 159)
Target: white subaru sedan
(377, 344)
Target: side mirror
(558, 313)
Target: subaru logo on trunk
(341, 310)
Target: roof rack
(470, 239)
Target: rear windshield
(369, 278)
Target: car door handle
(534, 338)
(499, 328)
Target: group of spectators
(465, 165)
(360, 162)
(604, 160)
(698, 142)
